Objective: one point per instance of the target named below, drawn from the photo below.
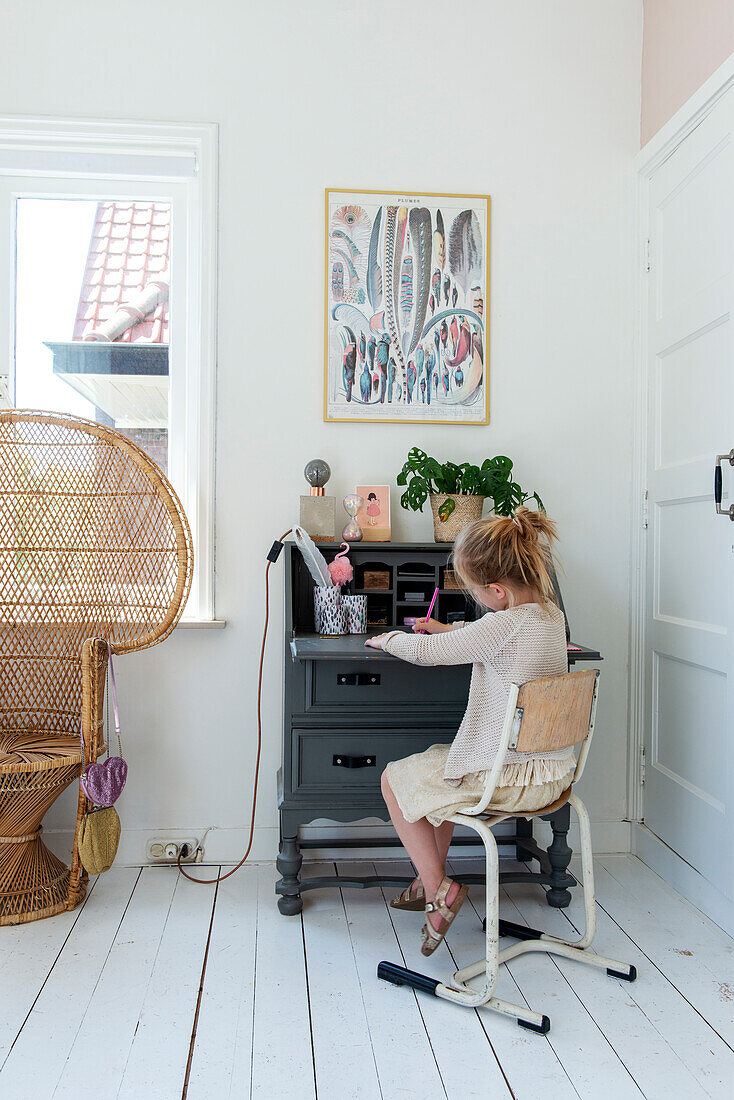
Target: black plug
(275, 550)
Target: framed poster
(407, 301)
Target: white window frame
(165, 162)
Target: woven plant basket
(468, 508)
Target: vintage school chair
(554, 712)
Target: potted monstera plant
(457, 491)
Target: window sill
(204, 624)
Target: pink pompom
(340, 569)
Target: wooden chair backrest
(556, 711)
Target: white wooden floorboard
(464, 1054)
(341, 1035)
(529, 1061)
(27, 954)
(62, 1002)
(160, 1047)
(406, 1065)
(100, 1051)
(222, 1061)
(687, 1056)
(587, 1058)
(617, 1006)
(103, 999)
(695, 953)
(282, 1056)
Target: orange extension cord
(221, 878)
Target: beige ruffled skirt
(421, 790)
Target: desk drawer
(378, 683)
(354, 759)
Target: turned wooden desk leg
(289, 863)
(559, 855)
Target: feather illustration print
(337, 281)
(465, 249)
(341, 237)
(406, 291)
(374, 272)
(401, 225)
(392, 267)
(439, 242)
(468, 392)
(462, 349)
(420, 234)
(349, 360)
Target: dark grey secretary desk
(348, 711)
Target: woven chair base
(34, 883)
(46, 883)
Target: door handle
(718, 485)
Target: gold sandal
(412, 901)
(432, 937)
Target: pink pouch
(103, 783)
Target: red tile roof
(128, 249)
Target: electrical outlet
(165, 849)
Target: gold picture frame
(406, 307)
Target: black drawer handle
(358, 679)
(340, 760)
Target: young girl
(373, 509)
(505, 565)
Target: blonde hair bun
(512, 549)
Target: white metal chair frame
(476, 818)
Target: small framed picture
(374, 515)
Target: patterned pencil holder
(328, 610)
(356, 614)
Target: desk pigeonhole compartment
(336, 759)
(380, 683)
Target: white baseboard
(228, 845)
(682, 877)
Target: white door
(689, 715)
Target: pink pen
(430, 609)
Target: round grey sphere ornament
(317, 472)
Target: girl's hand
(429, 626)
(376, 642)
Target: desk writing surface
(351, 647)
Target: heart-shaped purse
(103, 783)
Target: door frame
(649, 159)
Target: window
(110, 233)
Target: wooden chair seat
(529, 814)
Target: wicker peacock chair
(95, 548)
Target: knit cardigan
(504, 647)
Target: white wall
(537, 104)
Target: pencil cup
(356, 614)
(328, 610)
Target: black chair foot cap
(400, 975)
(541, 1029)
(517, 931)
(625, 977)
